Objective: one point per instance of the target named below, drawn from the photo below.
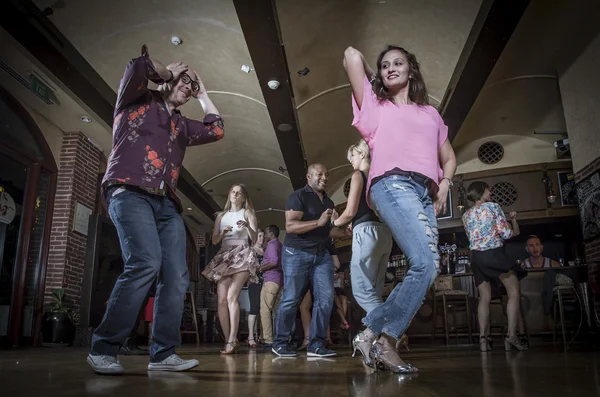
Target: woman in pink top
(412, 165)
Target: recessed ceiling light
(176, 40)
(285, 127)
(86, 119)
(189, 208)
(247, 69)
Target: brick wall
(592, 249)
(77, 182)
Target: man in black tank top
(536, 260)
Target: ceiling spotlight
(282, 170)
(247, 69)
(273, 84)
(85, 119)
(189, 208)
(284, 127)
(176, 40)
(303, 72)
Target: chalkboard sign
(588, 195)
(566, 184)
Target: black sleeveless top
(364, 213)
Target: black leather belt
(421, 179)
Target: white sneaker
(106, 365)
(173, 363)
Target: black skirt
(490, 264)
(254, 290)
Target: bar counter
(536, 321)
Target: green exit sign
(40, 89)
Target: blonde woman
(371, 240)
(236, 262)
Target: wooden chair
(451, 298)
(194, 317)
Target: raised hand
(196, 77)
(177, 68)
(513, 214)
(227, 229)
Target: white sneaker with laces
(106, 365)
(173, 363)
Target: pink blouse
(408, 137)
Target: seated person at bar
(536, 260)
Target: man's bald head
(317, 177)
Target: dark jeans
(152, 239)
(300, 267)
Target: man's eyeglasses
(187, 80)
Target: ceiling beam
(493, 26)
(260, 24)
(23, 20)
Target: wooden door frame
(35, 170)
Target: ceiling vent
(34, 83)
(490, 152)
(504, 193)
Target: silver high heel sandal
(363, 345)
(508, 344)
(378, 355)
(484, 344)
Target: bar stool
(194, 317)
(500, 301)
(564, 292)
(451, 298)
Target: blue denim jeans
(371, 247)
(153, 241)
(300, 267)
(406, 207)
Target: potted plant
(58, 328)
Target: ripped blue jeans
(406, 207)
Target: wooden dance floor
(458, 371)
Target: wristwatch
(449, 181)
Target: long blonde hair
(362, 148)
(246, 204)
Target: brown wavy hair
(476, 190)
(247, 203)
(417, 91)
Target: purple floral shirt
(148, 143)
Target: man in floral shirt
(150, 137)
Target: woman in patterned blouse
(487, 228)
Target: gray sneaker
(173, 363)
(106, 365)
